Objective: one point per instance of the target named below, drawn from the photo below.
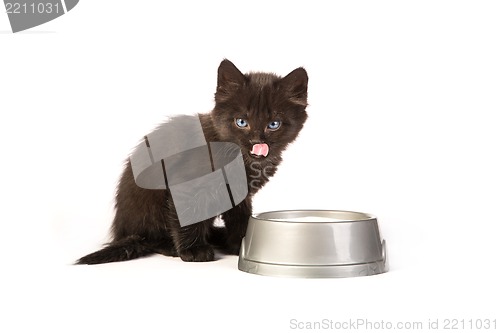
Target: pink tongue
(260, 149)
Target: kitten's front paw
(198, 254)
(233, 247)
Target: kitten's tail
(128, 248)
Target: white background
(404, 103)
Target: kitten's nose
(257, 138)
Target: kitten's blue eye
(274, 125)
(241, 122)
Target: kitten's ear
(295, 86)
(229, 79)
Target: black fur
(146, 221)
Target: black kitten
(260, 112)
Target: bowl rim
(320, 212)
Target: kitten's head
(261, 112)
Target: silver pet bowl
(313, 243)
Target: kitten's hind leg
(191, 242)
(164, 247)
